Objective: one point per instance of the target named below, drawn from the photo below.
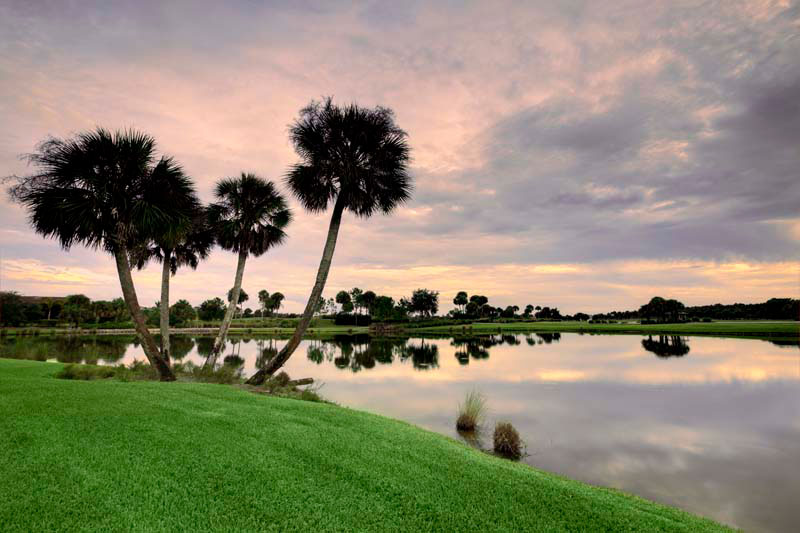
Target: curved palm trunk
(219, 344)
(129, 295)
(164, 307)
(322, 276)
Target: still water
(705, 424)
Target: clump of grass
(226, 374)
(282, 379)
(86, 372)
(471, 412)
(507, 442)
(310, 395)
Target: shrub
(506, 441)
(310, 395)
(226, 374)
(472, 412)
(282, 379)
(86, 372)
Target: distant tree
(528, 310)
(275, 302)
(461, 301)
(121, 312)
(182, 311)
(343, 298)
(357, 297)
(581, 316)
(472, 309)
(213, 309)
(243, 296)
(547, 313)
(479, 299)
(368, 299)
(661, 310)
(538, 307)
(263, 299)
(257, 313)
(330, 306)
(248, 313)
(510, 311)
(250, 216)
(382, 308)
(77, 309)
(425, 302)
(33, 313)
(352, 158)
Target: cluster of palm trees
(109, 190)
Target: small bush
(472, 412)
(226, 374)
(506, 441)
(86, 372)
(282, 379)
(310, 395)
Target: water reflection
(713, 430)
(666, 345)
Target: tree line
(112, 191)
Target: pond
(706, 424)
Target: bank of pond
(704, 424)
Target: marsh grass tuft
(86, 372)
(507, 442)
(471, 412)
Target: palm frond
(357, 154)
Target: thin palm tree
(185, 245)
(355, 158)
(107, 190)
(249, 218)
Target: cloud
(563, 134)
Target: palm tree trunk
(164, 311)
(322, 276)
(129, 294)
(219, 344)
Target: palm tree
(185, 245)
(107, 190)
(354, 158)
(249, 217)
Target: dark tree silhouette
(181, 246)
(666, 346)
(107, 190)
(249, 216)
(354, 158)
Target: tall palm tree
(353, 157)
(107, 190)
(249, 217)
(185, 245)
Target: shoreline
(768, 330)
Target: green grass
(767, 329)
(732, 328)
(94, 455)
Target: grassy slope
(184, 456)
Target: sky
(583, 155)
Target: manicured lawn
(185, 456)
